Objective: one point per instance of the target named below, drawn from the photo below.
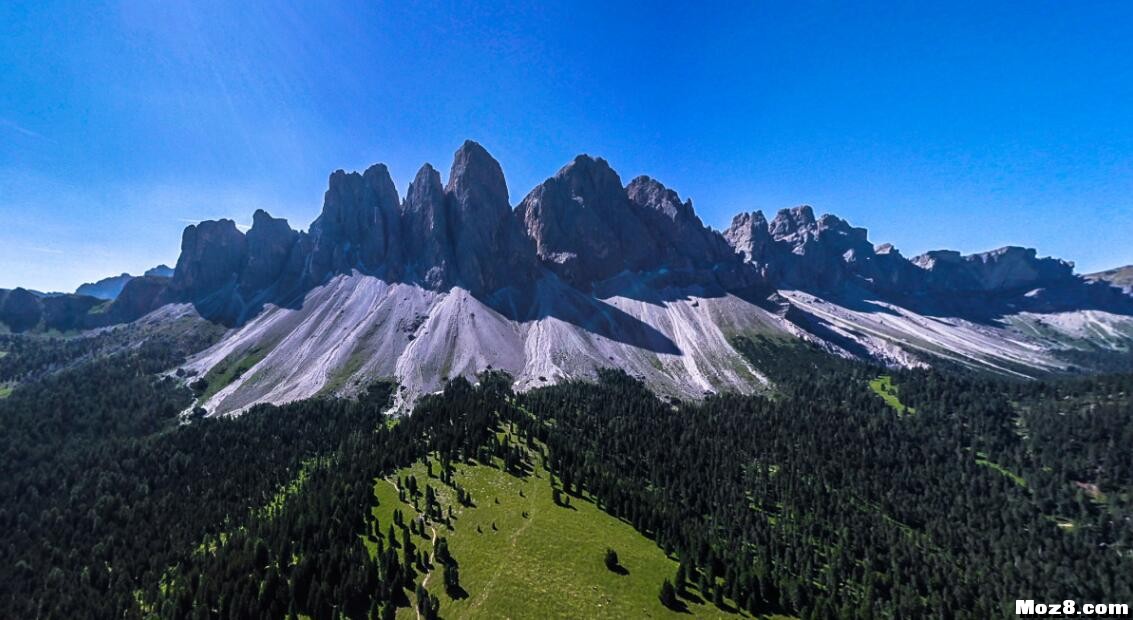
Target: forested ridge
(818, 499)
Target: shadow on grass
(679, 606)
(457, 593)
(691, 597)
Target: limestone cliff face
(213, 254)
(826, 254)
(489, 250)
(269, 244)
(585, 227)
(358, 227)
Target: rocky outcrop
(796, 250)
(425, 229)
(1121, 277)
(109, 288)
(161, 271)
(489, 250)
(358, 227)
(827, 255)
(582, 224)
(20, 309)
(213, 255)
(1004, 270)
(683, 241)
(139, 297)
(269, 243)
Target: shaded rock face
(108, 289)
(212, 257)
(796, 250)
(139, 297)
(20, 309)
(1006, 269)
(587, 228)
(358, 227)
(425, 229)
(683, 241)
(161, 271)
(489, 249)
(583, 226)
(269, 243)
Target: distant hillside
(1121, 277)
(108, 289)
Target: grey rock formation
(1121, 277)
(425, 230)
(683, 241)
(796, 250)
(161, 271)
(489, 249)
(826, 255)
(269, 244)
(109, 288)
(1003, 270)
(583, 226)
(212, 257)
(358, 227)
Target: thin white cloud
(44, 250)
(21, 129)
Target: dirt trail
(432, 561)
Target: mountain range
(585, 272)
(108, 289)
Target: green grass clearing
(5, 391)
(223, 374)
(981, 459)
(884, 387)
(547, 564)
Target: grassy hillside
(884, 387)
(521, 555)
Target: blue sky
(964, 125)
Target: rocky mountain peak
(358, 224)
(749, 235)
(425, 229)
(269, 243)
(793, 221)
(488, 248)
(1008, 268)
(582, 224)
(650, 193)
(212, 257)
(476, 180)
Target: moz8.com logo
(1070, 608)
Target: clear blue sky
(965, 125)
